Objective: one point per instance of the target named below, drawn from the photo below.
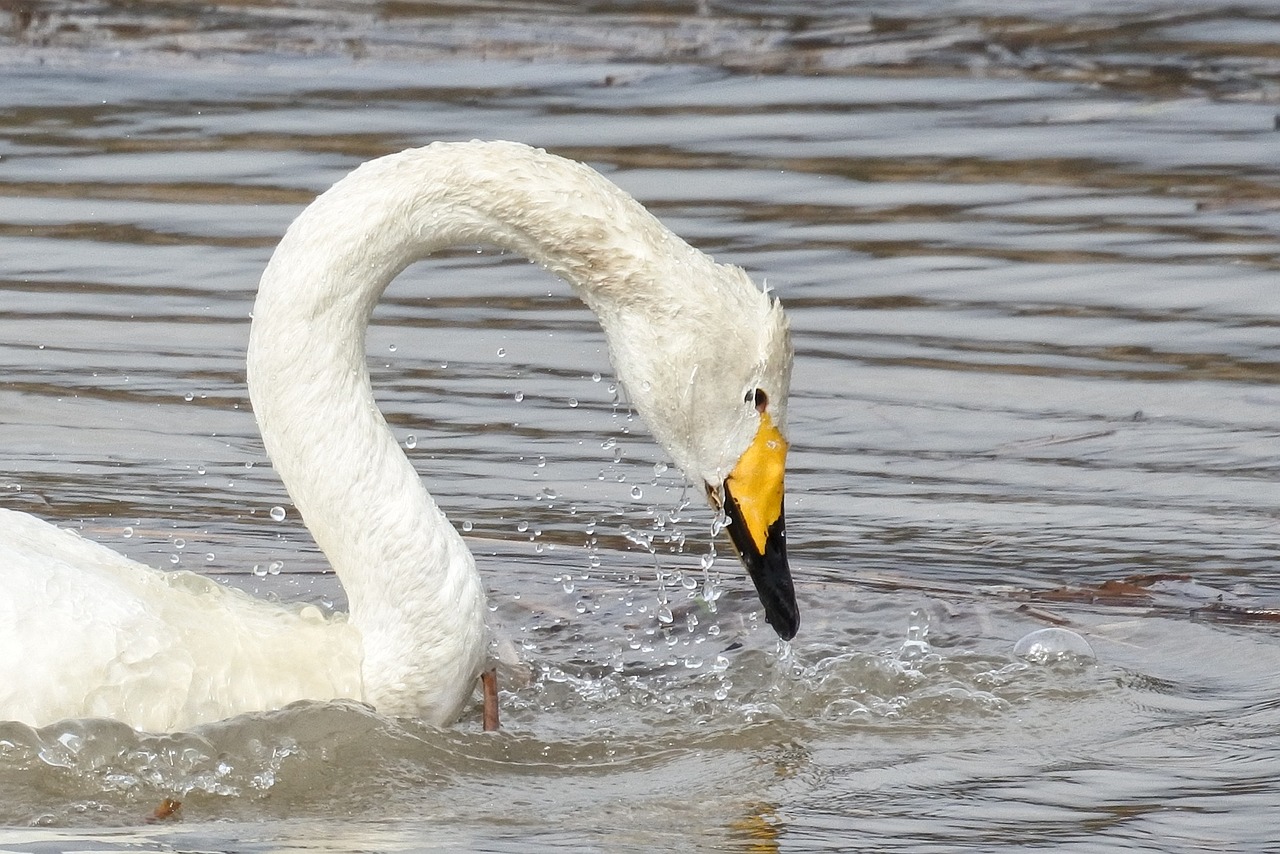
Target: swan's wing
(86, 632)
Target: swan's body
(703, 354)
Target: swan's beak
(753, 503)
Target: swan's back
(87, 632)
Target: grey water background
(1030, 255)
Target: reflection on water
(1030, 260)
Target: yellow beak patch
(756, 481)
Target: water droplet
(659, 468)
(502, 352)
(466, 525)
(636, 493)
(209, 557)
(665, 616)
(174, 559)
(595, 378)
(275, 566)
(391, 347)
(188, 397)
(127, 533)
(200, 469)
(277, 513)
(179, 543)
(522, 526)
(519, 396)
(573, 403)
(259, 570)
(1055, 644)
(411, 441)
(917, 644)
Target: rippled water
(1031, 262)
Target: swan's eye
(759, 398)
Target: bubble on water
(200, 469)
(411, 441)
(595, 378)
(209, 557)
(274, 567)
(502, 352)
(277, 513)
(179, 543)
(259, 570)
(519, 396)
(188, 397)
(174, 559)
(636, 493)
(573, 403)
(391, 347)
(127, 533)
(466, 525)
(1045, 645)
(522, 526)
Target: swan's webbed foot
(489, 687)
(168, 809)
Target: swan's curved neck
(408, 576)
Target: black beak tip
(769, 571)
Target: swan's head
(711, 377)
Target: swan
(704, 355)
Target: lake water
(1030, 254)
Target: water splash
(916, 646)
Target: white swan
(704, 355)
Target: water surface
(1030, 259)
